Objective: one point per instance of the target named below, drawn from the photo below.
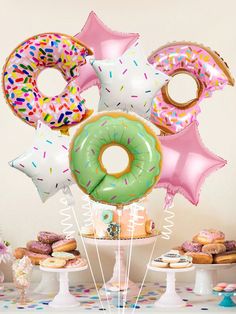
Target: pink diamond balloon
(186, 164)
(105, 43)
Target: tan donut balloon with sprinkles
(20, 73)
(207, 68)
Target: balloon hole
(111, 163)
(50, 82)
(182, 88)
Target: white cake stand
(119, 269)
(64, 298)
(49, 284)
(170, 298)
(206, 277)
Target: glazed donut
(65, 245)
(188, 246)
(20, 252)
(214, 248)
(49, 237)
(39, 247)
(36, 258)
(63, 255)
(132, 134)
(206, 67)
(225, 258)
(200, 258)
(208, 236)
(107, 216)
(48, 50)
(53, 262)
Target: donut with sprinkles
(206, 67)
(48, 50)
(131, 133)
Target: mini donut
(206, 67)
(133, 135)
(113, 230)
(39, 247)
(65, 245)
(230, 245)
(53, 262)
(158, 262)
(225, 258)
(172, 256)
(20, 73)
(214, 248)
(218, 288)
(150, 226)
(200, 258)
(184, 262)
(76, 263)
(188, 246)
(63, 255)
(36, 258)
(107, 216)
(208, 236)
(49, 237)
(19, 252)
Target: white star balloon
(46, 162)
(128, 83)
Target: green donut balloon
(139, 141)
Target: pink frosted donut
(48, 50)
(204, 65)
(39, 247)
(49, 237)
(208, 236)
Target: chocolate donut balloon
(206, 67)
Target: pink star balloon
(186, 164)
(105, 43)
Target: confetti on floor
(89, 301)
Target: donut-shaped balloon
(206, 67)
(107, 216)
(115, 129)
(49, 50)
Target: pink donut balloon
(20, 73)
(206, 67)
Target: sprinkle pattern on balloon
(128, 83)
(49, 50)
(105, 43)
(204, 65)
(46, 162)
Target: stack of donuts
(210, 247)
(50, 249)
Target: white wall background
(209, 22)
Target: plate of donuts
(53, 251)
(209, 247)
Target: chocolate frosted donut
(188, 246)
(39, 247)
(49, 237)
(230, 245)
